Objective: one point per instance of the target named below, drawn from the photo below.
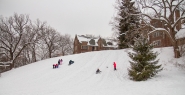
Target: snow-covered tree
(144, 63)
(126, 23)
(170, 12)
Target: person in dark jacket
(59, 62)
(53, 66)
(71, 62)
(98, 71)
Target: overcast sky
(66, 16)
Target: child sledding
(55, 66)
(71, 62)
(98, 71)
(60, 63)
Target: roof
(92, 41)
(110, 43)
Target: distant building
(161, 39)
(84, 43)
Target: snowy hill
(80, 79)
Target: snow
(80, 79)
(180, 34)
(1, 52)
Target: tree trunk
(33, 55)
(49, 53)
(176, 50)
(11, 59)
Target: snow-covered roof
(114, 43)
(82, 38)
(180, 34)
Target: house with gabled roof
(84, 43)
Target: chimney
(177, 15)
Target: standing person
(59, 62)
(114, 66)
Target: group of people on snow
(57, 65)
(71, 62)
(60, 63)
(98, 70)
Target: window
(84, 47)
(157, 43)
(156, 34)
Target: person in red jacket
(114, 66)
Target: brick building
(84, 43)
(160, 38)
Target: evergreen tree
(144, 63)
(127, 23)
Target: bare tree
(16, 34)
(66, 44)
(165, 11)
(23, 42)
(38, 28)
(51, 39)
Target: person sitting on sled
(56, 65)
(98, 71)
(53, 66)
(71, 62)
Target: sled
(98, 72)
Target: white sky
(66, 16)
(80, 79)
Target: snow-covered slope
(80, 79)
